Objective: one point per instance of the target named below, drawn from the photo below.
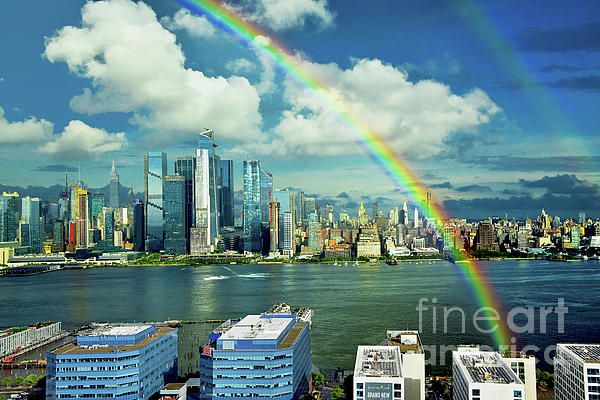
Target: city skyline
(483, 156)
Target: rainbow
(373, 143)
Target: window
(517, 394)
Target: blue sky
(493, 104)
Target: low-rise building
(122, 361)
(378, 373)
(577, 372)
(413, 362)
(484, 375)
(261, 356)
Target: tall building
(404, 214)
(186, 167)
(58, 236)
(416, 218)
(31, 224)
(113, 198)
(413, 362)
(274, 226)
(108, 226)
(121, 362)
(287, 210)
(272, 350)
(139, 226)
(204, 235)
(577, 372)
(378, 373)
(484, 375)
(227, 190)
(486, 239)
(174, 206)
(363, 217)
(9, 217)
(97, 204)
(258, 185)
(155, 169)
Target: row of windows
(95, 360)
(96, 368)
(96, 396)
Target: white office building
(413, 362)
(484, 375)
(577, 372)
(378, 373)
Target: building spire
(113, 171)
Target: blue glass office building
(174, 207)
(119, 362)
(155, 169)
(258, 188)
(264, 356)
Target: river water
(352, 305)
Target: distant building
(286, 221)
(125, 362)
(97, 204)
(484, 375)
(262, 356)
(139, 226)
(9, 217)
(174, 208)
(577, 372)
(155, 169)
(113, 198)
(378, 373)
(227, 189)
(206, 200)
(31, 224)
(274, 226)
(416, 221)
(368, 244)
(258, 186)
(186, 167)
(486, 239)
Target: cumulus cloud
(195, 25)
(240, 65)
(413, 118)
(287, 14)
(29, 131)
(79, 140)
(135, 66)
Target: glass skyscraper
(174, 206)
(31, 229)
(186, 167)
(155, 169)
(139, 225)
(204, 235)
(97, 205)
(286, 199)
(9, 217)
(258, 186)
(227, 214)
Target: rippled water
(353, 304)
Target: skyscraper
(287, 206)
(31, 229)
(274, 226)
(404, 214)
(416, 218)
(155, 169)
(9, 217)
(114, 201)
(186, 167)
(174, 205)
(97, 205)
(108, 226)
(139, 226)
(258, 185)
(204, 235)
(227, 193)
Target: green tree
(337, 393)
(318, 378)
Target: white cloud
(79, 141)
(240, 66)
(287, 14)
(195, 25)
(29, 131)
(413, 118)
(136, 66)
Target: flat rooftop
(110, 330)
(407, 341)
(72, 348)
(589, 353)
(257, 327)
(378, 361)
(485, 367)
